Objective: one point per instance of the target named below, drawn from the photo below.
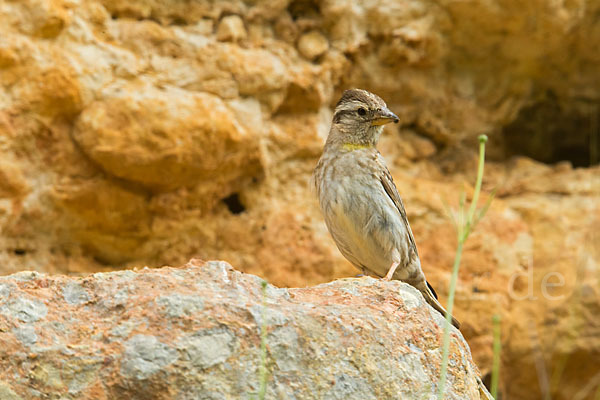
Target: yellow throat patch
(352, 146)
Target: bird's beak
(384, 116)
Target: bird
(359, 200)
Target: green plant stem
(262, 372)
(496, 360)
(475, 200)
(449, 307)
(464, 229)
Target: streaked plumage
(359, 200)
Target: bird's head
(358, 119)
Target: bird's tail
(431, 298)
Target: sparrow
(359, 200)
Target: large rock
(195, 332)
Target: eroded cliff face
(148, 132)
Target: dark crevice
(101, 260)
(234, 205)
(550, 131)
(304, 9)
(19, 252)
(178, 21)
(487, 381)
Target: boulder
(197, 331)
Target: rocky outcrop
(195, 332)
(147, 132)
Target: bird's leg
(390, 273)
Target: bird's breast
(363, 221)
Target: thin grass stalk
(464, 228)
(496, 359)
(475, 200)
(449, 309)
(540, 363)
(262, 369)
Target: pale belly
(368, 229)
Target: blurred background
(148, 132)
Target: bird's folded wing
(390, 188)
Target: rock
(7, 393)
(185, 139)
(49, 91)
(170, 11)
(197, 329)
(256, 71)
(231, 29)
(93, 211)
(312, 45)
(12, 181)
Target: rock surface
(231, 28)
(147, 132)
(195, 332)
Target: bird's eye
(361, 111)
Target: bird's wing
(390, 188)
